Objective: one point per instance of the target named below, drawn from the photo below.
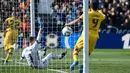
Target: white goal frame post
(32, 16)
(86, 37)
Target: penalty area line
(60, 71)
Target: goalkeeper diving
(34, 56)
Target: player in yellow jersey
(12, 26)
(95, 19)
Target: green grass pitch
(100, 61)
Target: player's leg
(92, 43)
(77, 48)
(50, 56)
(9, 51)
(7, 45)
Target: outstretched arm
(40, 30)
(23, 55)
(35, 44)
(73, 22)
(5, 24)
(39, 33)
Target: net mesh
(54, 15)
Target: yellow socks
(75, 54)
(7, 57)
(8, 54)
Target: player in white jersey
(31, 54)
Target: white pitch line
(12, 65)
(15, 61)
(60, 71)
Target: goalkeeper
(33, 55)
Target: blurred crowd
(22, 8)
(117, 12)
(7, 7)
(66, 11)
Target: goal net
(53, 14)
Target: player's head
(95, 5)
(32, 40)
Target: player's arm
(40, 30)
(35, 45)
(5, 26)
(75, 21)
(23, 55)
(39, 33)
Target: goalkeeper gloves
(75, 63)
(39, 22)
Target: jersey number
(95, 22)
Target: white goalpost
(86, 37)
(32, 17)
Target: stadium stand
(117, 12)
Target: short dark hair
(95, 5)
(32, 38)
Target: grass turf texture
(100, 61)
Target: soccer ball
(67, 31)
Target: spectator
(26, 30)
(127, 22)
(26, 26)
(100, 4)
(69, 16)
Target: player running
(95, 19)
(32, 54)
(12, 26)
